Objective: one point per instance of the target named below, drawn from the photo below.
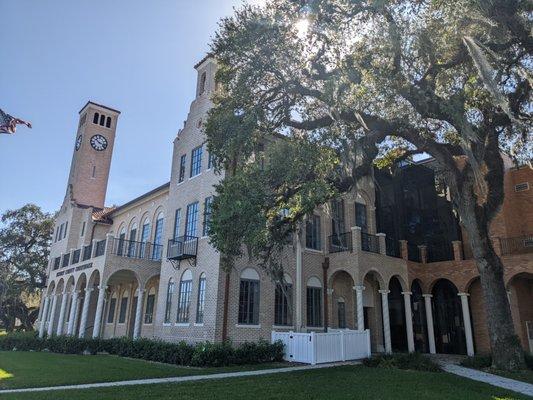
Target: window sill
(195, 176)
(314, 250)
(282, 326)
(197, 324)
(182, 324)
(167, 324)
(181, 183)
(248, 326)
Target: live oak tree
(25, 236)
(313, 94)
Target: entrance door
(448, 319)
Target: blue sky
(133, 55)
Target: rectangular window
(201, 301)
(191, 219)
(177, 222)
(282, 313)
(314, 306)
(149, 314)
(111, 312)
(207, 215)
(57, 234)
(168, 302)
(210, 161)
(196, 161)
(61, 231)
(183, 161)
(123, 309)
(249, 302)
(184, 301)
(312, 233)
(158, 239)
(82, 229)
(360, 217)
(57, 262)
(145, 232)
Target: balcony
(369, 242)
(133, 249)
(517, 245)
(340, 242)
(182, 248)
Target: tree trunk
(507, 353)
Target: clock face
(98, 142)
(78, 142)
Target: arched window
(132, 248)
(314, 302)
(145, 234)
(96, 117)
(249, 297)
(168, 302)
(121, 241)
(158, 237)
(201, 87)
(184, 297)
(102, 119)
(282, 300)
(123, 307)
(200, 305)
(108, 122)
(149, 309)
(112, 308)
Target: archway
(372, 309)
(125, 284)
(419, 318)
(343, 301)
(520, 289)
(397, 316)
(448, 319)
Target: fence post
(343, 348)
(313, 348)
(369, 349)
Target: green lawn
(20, 369)
(347, 382)
(524, 376)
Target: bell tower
(93, 149)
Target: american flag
(8, 124)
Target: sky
(136, 56)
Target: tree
(349, 84)
(25, 239)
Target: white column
(466, 321)
(386, 320)
(359, 304)
(85, 312)
(299, 288)
(429, 322)
(99, 309)
(61, 320)
(43, 316)
(73, 311)
(409, 321)
(52, 316)
(77, 315)
(138, 315)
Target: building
(146, 268)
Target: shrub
(410, 361)
(200, 355)
(477, 361)
(529, 360)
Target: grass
(524, 375)
(346, 382)
(20, 369)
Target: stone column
(356, 239)
(52, 316)
(404, 250)
(73, 312)
(457, 250)
(429, 322)
(99, 308)
(61, 320)
(359, 304)
(409, 321)
(382, 243)
(423, 251)
(386, 320)
(468, 325)
(138, 315)
(43, 316)
(85, 312)
(77, 315)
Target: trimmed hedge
(411, 361)
(200, 355)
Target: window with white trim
(249, 298)
(184, 297)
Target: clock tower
(91, 161)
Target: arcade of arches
(440, 319)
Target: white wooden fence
(316, 348)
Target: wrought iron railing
(134, 249)
(100, 248)
(76, 256)
(87, 252)
(392, 247)
(182, 247)
(369, 242)
(517, 245)
(413, 252)
(439, 251)
(340, 242)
